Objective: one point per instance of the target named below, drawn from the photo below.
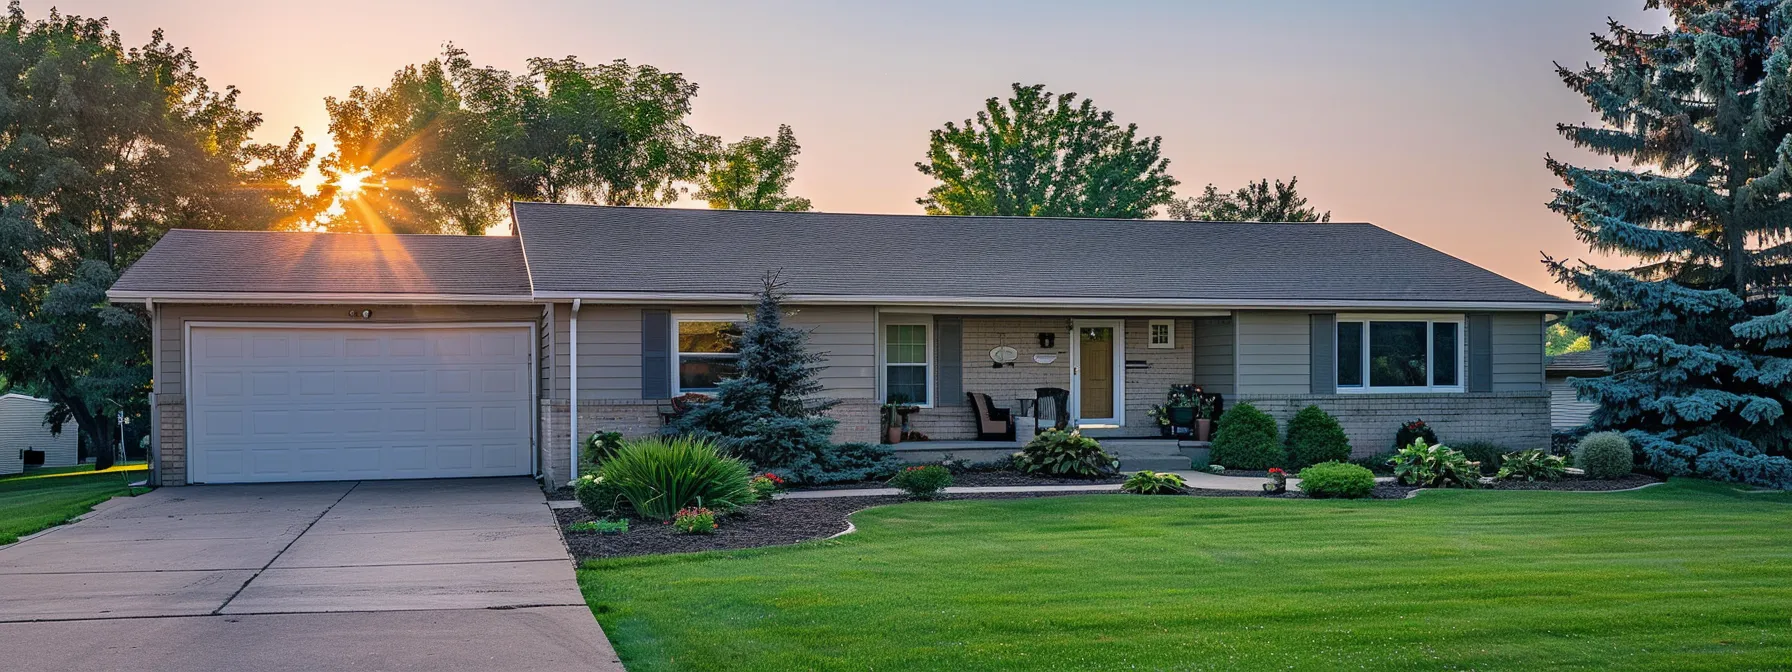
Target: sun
(349, 184)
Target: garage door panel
(430, 402)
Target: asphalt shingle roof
(323, 263)
(598, 249)
(1584, 361)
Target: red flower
(1275, 470)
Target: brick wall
(1164, 367)
(631, 417)
(950, 423)
(1516, 420)
(858, 421)
(171, 446)
(1145, 386)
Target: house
(305, 356)
(22, 429)
(1566, 410)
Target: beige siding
(1517, 352)
(1273, 353)
(1004, 385)
(1566, 410)
(22, 428)
(1214, 358)
(171, 352)
(1164, 367)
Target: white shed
(22, 428)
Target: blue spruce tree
(1701, 113)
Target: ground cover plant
(1687, 575)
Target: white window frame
(1430, 335)
(1170, 329)
(883, 356)
(677, 354)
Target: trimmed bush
(1336, 479)
(1153, 483)
(1413, 431)
(659, 476)
(1061, 453)
(1314, 436)
(598, 495)
(1246, 440)
(1605, 455)
(923, 481)
(1532, 465)
(1489, 455)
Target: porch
(1134, 454)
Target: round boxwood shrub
(1314, 436)
(1604, 455)
(1336, 479)
(1246, 440)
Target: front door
(1097, 388)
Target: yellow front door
(1096, 368)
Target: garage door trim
(534, 377)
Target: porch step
(1155, 463)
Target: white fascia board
(1026, 302)
(313, 298)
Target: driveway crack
(283, 549)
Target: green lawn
(42, 498)
(1685, 576)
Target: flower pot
(1181, 416)
(893, 435)
(1203, 429)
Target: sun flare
(350, 184)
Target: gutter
(1016, 302)
(128, 296)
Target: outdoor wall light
(1047, 339)
(361, 314)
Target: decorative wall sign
(1045, 358)
(1003, 355)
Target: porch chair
(993, 424)
(1060, 398)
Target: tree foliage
(1561, 339)
(1255, 202)
(104, 148)
(1702, 114)
(447, 144)
(1040, 154)
(754, 174)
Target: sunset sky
(1428, 117)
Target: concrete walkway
(389, 575)
(1195, 479)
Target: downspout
(572, 414)
(154, 453)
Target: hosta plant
(1532, 465)
(1153, 483)
(1060, 453)
(1431, 466)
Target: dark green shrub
(1488, 454)
(922, 481)
(659, 476)
(1246, 440)
(1434, 467)
(1153, 483)
(1413, 431)
(1605, 455)
(1379, 463)
(598, 495)
(846, 463)
(1532, 465)
(1061, 453)
(597, 448)
(1314, 436)
(1336, 479)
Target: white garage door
(293, 403)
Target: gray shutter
(656, 354)
(1324, 352)
(1480, 352)
(948, 361)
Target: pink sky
(1427, 117)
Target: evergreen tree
(1701, 112)
(769, 412)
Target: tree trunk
(94, 426)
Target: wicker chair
(993, 424)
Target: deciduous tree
(1255, 202)
(754, 174)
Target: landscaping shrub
(1413, 431)
(922, 481)
(1246, 440)
(1605, 455)
(1532, 465)
(846, 463)
(1062, 453)
(1377, 463)
(597, 448)
(1488, 454)
(1314, 436)
(765, 485)
(695, 520)
(1153, 483)
(660, 476)
(1336, 479)
(1434, 467)
(598, 495)
(600, 526)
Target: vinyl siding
(1273, 353)
(1517, 352)
(1214, 358)
(22, 427)
(1566, 410)
(171, 353)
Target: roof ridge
(924, 216)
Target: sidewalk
(1196, 479)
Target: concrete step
(1155, 463)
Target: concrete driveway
(389, 575)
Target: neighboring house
(301, 356)
(1566, 410)
(22, 428)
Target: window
(1400, 354)
(1161, 334)
(708, 348)
(907, 364)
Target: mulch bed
(1580, 483)
(982, 479)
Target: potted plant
(894, 418)
(1161, 413)
(1203, 417)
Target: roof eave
(691, 298)
(139, 296)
